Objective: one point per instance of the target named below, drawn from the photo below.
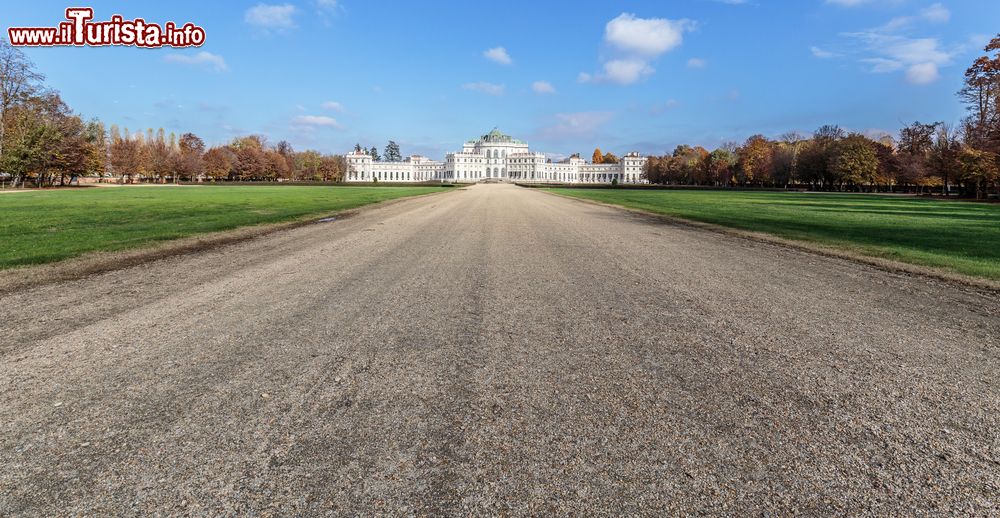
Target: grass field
(956, 236)
(44, 226)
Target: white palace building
(494, 157)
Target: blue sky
(565, 75)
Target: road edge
(91, 263)
(889, 265)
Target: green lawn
(958, 236)
(45, 226)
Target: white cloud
(574, 125)
(484, 87)
(543, 87)
(916, 50)
(333, 105)
(626, 71)
(883, 65)
(647, 36)
(636, 42)
(896, 23)
(936, 13)
(621, 71)
(315, 120)
(271, 16)
(213, 61)
(922, 73)
(696, 63)
(499, 55)
(822, 54)
(921, 58)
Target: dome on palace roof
(497, 136)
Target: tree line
(44, 143)
(923, 157)
(248, 158)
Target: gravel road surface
(498, 350)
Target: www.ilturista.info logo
(80, 31)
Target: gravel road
(498, 350)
